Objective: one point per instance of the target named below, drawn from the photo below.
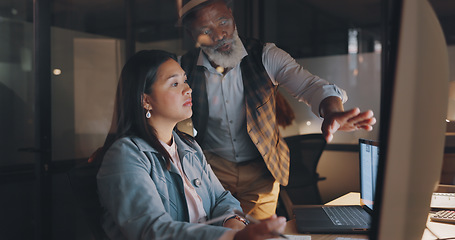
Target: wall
(359, 75)
(341, 170)
(83, 93)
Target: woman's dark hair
(137, 78)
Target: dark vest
(260, 106)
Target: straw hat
(188, 5)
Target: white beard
(227, 59)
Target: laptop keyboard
(346, 215)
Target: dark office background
(39, 144)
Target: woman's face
(170, 99)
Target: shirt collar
(170, 149)
(145, 147)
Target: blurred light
(447, 120)
(377, 47)
(14, 11)
(361, 59)
(355, 72)
(353, 44)
(308, 123)
(57, 72)
(220, 69)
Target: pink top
(195, 208)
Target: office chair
(82, 179)
(305, 151)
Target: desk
(353, 198)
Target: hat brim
(187, 9)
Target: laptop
(345, 219)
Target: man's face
(214, 27)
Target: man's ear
(146, 102)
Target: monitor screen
(369, 159)
(414, 100)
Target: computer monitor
(413, 112)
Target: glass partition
(17, 123)
(87, 53)
(17, 119)
(85, 71)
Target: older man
(234, 82)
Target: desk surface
(354, 198)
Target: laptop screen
(368, 156)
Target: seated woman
(154, 181)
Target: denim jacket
(144, 200)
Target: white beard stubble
(227, 59)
